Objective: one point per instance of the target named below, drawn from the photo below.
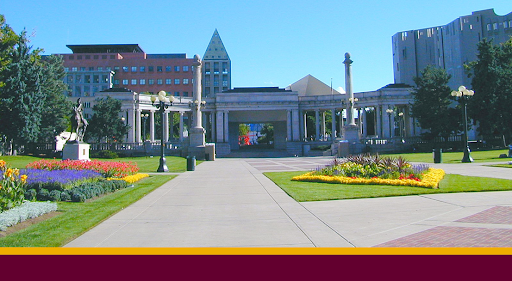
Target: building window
(134, 81)
(168, 81)
(104, 57)
(151, 81)
(134, 69)
(177, 94)
(82, 68)
(87, 57)
(125, 68)
(150, 68)
(78, 57)
(125, 81)
(87, 79)
(185, 94)
(185, 68)
(185, 81)
(74, 69)
(488, 27)
(495, 26)
(142, 69)
(159, 69)
(176, 81)
(91, 68)
(177, 68)
(159, 81)
(71, 57)
(100, 68)
(142, 81)
(168, 68)
(96, 79)
(116, 81)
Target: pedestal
(75, 151)
(196, 137)
(352, 133)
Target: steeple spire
(216, 50)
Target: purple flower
(57, 176)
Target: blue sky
(270, 42)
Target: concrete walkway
(230, 203)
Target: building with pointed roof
(311, 86)
(216, 67)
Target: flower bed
(11, 187)
(373, 169)
(106, 168)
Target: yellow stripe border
(255, 251)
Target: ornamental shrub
(65, 196)
(54, 195)
(43, 195)
(78, 197)
(30, 194)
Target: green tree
(21, 97)
(106, 124)
(267, 134)
(491, 106)
(7, 41)
(433, 104)
(55, 117)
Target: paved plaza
(230, 203)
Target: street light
(390, 111)
(144, 118)
(463, 93)
(162, 104)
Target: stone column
(392, 124)
(138, 125)
(181, 126)
(152, 125)
(213, 125)
(226, 126)
(333, 124)
(351, 130)
(323, 125)
(171, 125)
(166, 126)
(317, 124)
(295, 125)
(378, 121)
(196, 133)
(288, 125)
(220, 126)
(131, 122)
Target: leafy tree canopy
(106, 124)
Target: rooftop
(256, 90)
(106, 48)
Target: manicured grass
(145, 164)
(501, 165)
(455, 157)
(77, 218)
(311, 191)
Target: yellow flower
(431, 179)
(24, 178)
(8, 173)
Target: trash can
(191, 163)
(510, 150)
(438, 158)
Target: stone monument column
(197, 131)
(351, 129)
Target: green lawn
(145, 164)
(456, 157)
(311, 191)
(77, 218)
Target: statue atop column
(351, 129)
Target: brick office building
(93, 68)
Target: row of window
(88, 79)
(151, 68)
(134, 69)
(495, 26)
(88, 57)
(152, 81)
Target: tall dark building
(216, 67)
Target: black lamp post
(463, 93)
(144, 118)
(162, 104)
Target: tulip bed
(374, 169)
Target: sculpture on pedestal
(78, 122)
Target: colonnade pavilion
(380, 115)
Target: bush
(106, 154)
(54, 195)
(65, 196)
(78, 197)
(30, 194)
(43, 195)
(11, 187)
